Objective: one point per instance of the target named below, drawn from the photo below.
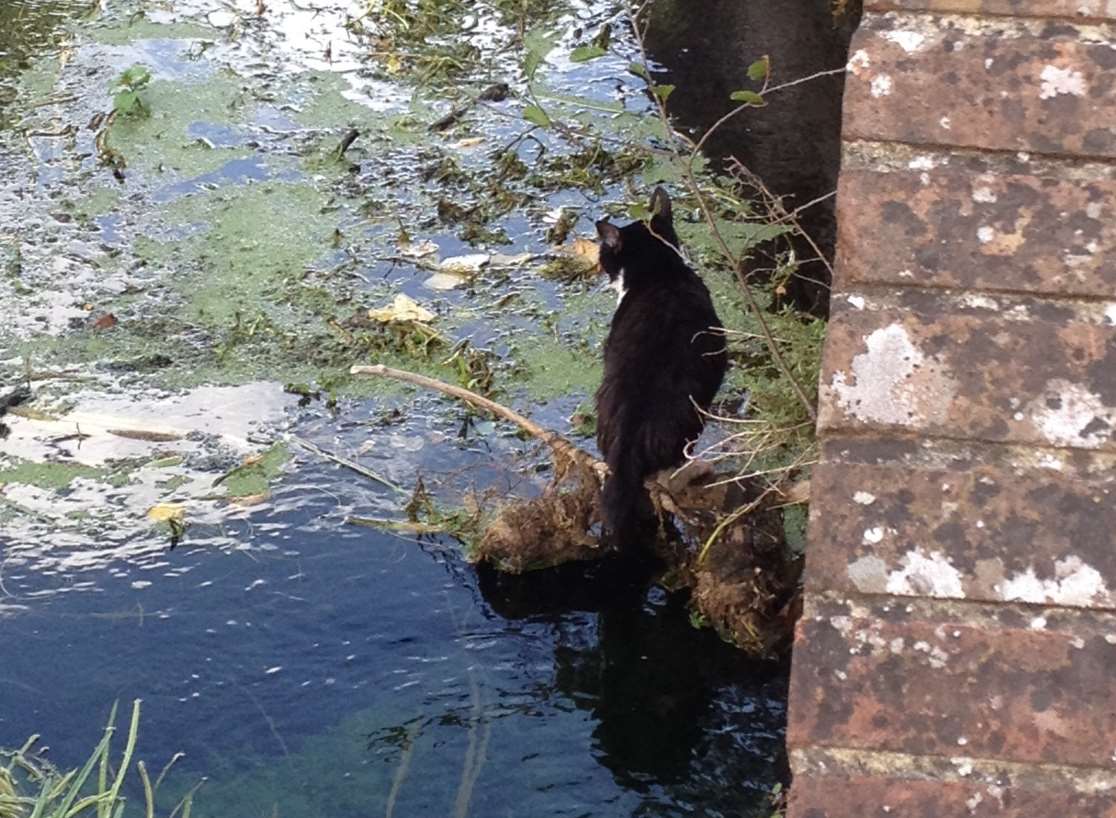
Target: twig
(347, 140)
(475, 752)
(555, 441)
(51, 101)
(406, 526)
(497, 92)
(775, 205)
(348, 464)
(404, 767)
(688, 171)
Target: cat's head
(639, 247)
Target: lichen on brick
(893, 382)
(1069, 414)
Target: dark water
(292, 669)
(794, 143)
(307, 667)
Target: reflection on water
(307, 667)
(306, 670)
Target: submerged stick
(496, 92)
(348, 464)
(552, 439)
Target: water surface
(307, 666)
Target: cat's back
(661, 320)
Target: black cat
(664, 357)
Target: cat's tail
(625, 506)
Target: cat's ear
(610, 235)
(661, 215)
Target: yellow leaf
(403, 308)
(585, 249)
(164, 512)
(252, 499)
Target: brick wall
(957, 655)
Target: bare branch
(639, 29)
(558, 444)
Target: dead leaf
(252, 499)
(504, 260)
(165, 512)
(444, 281)
(106, 321)
(468, 142)
(465, 265)
(585, 249)
(402, 309)
(421, 249)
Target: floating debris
(402, 309)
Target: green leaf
(760, 69)
(662, 91)
(136, 77)
(639, 70)
(536, 115)
(531, 64)
(538, 45)
(126, 102)
(638, 212)
(748, 97)
(604, 36)
(585, 53)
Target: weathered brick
(974, 220)
(1012, 370)
(992, 83)
(871, 797)
(982, 532)
(950, 679)
(1078, 9)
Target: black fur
(663, 348)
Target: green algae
(253, 236)
(138, 27)
(37, 82)
(97, 202)
(553, 369)
(50, 476)
(255, 477)
(326, 106)
(172, 138)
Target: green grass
(31, 787)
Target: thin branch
(775, 204)
(555, 441)
(688, 171)
(348, 464)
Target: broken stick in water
(558, 444)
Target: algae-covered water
(188, 262)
